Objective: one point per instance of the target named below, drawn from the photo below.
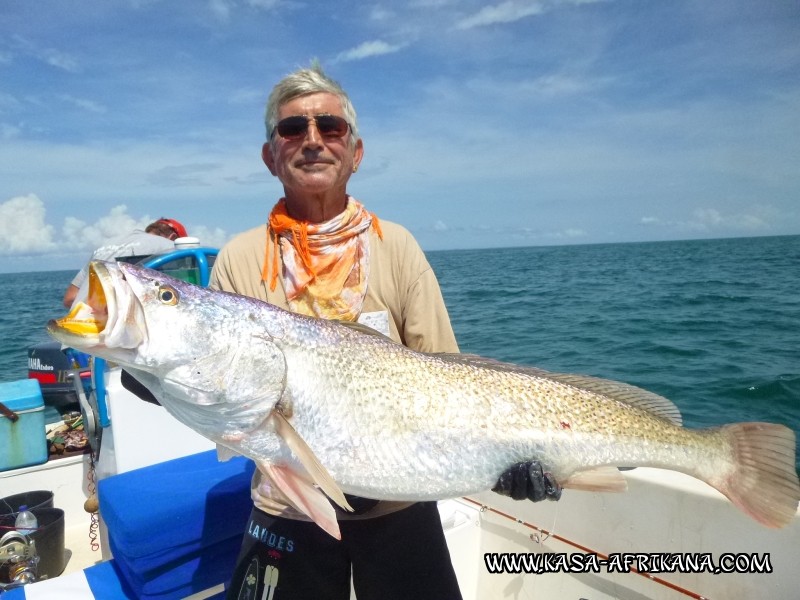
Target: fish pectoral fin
(601, 479)
(303, 496)
(318, 473)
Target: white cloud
(505, 12)
(23, 228)
(8, 131)
(8, 103)
(215, 237)
(382, 14)
(573, 233)
(263, 4)
(550, 86)
(220, 8)
(118, 222)
(368, 49)
(248, 96)
(88, 236)
(60, 60)
(428, 4)
(88, 105)
(223, 9)
(710, 220)
(50, 56)
(183, 175)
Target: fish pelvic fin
(303, 496)
(601, 479)
(318, 473)
(764, 483)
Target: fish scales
(519, 416)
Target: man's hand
(527, 480)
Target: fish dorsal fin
(318, 473)
(601, 479)
(616, 390)
(625, 393)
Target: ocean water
(714, 325)
(28, 301)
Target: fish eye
(168, 295)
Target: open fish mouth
(103, 316)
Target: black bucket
(49, 534)
(10, 505)
(39, 499)
(49, 538)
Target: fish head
(209, 357)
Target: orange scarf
(325, 265)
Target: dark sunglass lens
(331, 125)
(292, 128)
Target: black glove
(527, 480)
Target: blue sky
(485, 124)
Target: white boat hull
(667, 516)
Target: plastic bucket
(10, 505)
(38, 499)
(49, 538)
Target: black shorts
(399, 556)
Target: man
(321, 253)
(158, 236)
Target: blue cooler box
(22, 442)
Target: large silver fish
(324, 405)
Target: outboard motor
(54, 368)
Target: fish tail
(764, 482)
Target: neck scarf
(325, 265)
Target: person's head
(168, 228)
(313, 145)
(303, 82)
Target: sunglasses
(295, 128)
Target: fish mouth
(98, 318)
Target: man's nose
(313, 137)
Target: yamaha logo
(35, 364)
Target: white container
(187, 242)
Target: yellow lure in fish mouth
(89, 315)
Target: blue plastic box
(24, 442)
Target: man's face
(313, 164)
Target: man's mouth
(314, 163)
